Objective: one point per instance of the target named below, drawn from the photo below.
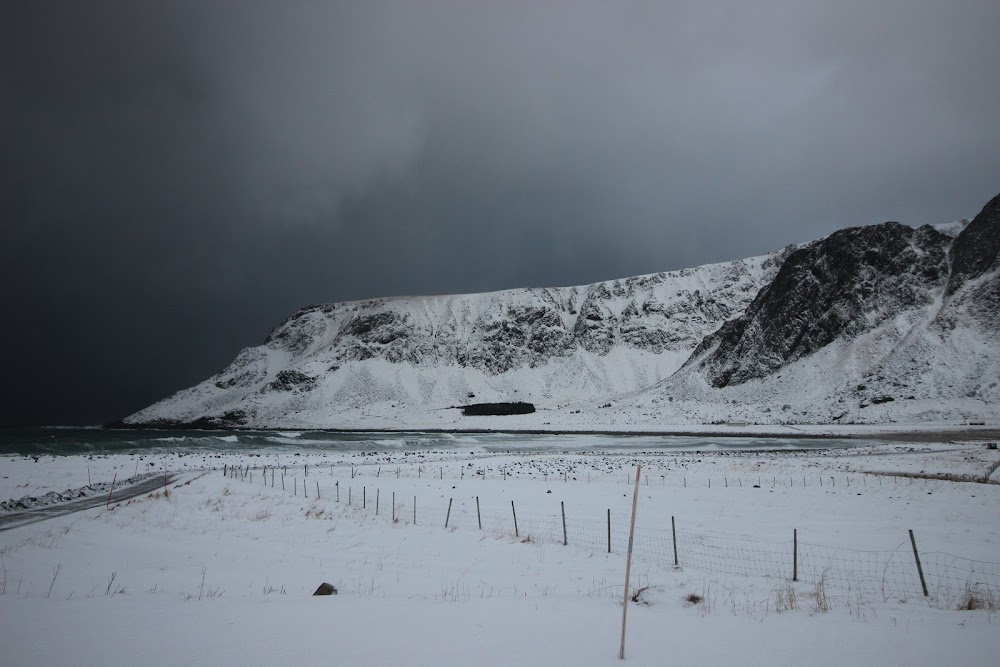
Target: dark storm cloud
(178, 176)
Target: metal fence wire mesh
(890, 575)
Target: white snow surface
(602, 357)
(427, 353)
(221, 571)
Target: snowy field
(221, 569)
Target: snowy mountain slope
(548, 346)
(841, 286)
(871, 325)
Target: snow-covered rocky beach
(421, 544)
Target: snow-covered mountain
(871, 324)
(876, 324)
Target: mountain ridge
(694, 346)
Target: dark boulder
(325, 589)
(494, 409)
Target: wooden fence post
(673, 531)
(920, 569)
(479, 517)
(795, 554)
(562, 506)
(115, 479)
(514, 512)
(628, 560)
(609, 530)
(447, 517)
(377, 492)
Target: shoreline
(985, 433)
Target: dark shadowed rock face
(974, 286)
(838, 287)
(290, 380)
(927, 297)
(976, 250)
(527, 336)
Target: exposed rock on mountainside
(844, 285)
(869, 325)
(975, 266)
(548, 346)
(976, 250)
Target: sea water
(69, 441)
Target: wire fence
(951, 581)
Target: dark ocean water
(68, 441)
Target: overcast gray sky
(178, 176)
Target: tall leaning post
(920, 569)
(673, 533)
(628, 560)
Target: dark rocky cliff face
(977, 248)
(914, 316)
(837, 287)
(655, 313)
(974, 284)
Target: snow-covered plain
(221, 570)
